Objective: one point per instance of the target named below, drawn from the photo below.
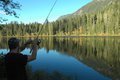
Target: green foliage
(8, 7)
(103, 22)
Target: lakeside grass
(63, 36)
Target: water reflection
(94, 58)
(68, 65)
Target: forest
(105, 22)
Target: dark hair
(13, 43)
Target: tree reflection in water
(100, 53)
(42, 75)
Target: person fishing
(15, 61)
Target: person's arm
(25, 45)
(34, 52)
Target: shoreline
(62, 36)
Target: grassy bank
(64, 36)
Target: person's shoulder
(7, 54)
(20, 54)
(23, 58)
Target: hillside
(92, 7)
(98, 18)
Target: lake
(80, 58)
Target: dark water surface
(83, 58)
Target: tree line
(101, 23)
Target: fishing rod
(45, 22)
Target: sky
(37, 10)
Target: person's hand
(39, 41)
(35, 44)
(22, 47)
(36, 41)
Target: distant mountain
(64, 16)
(92, 7)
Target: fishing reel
(39, 41)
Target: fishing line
(45, 22)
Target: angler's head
(13, 43)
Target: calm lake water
(81, 58)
